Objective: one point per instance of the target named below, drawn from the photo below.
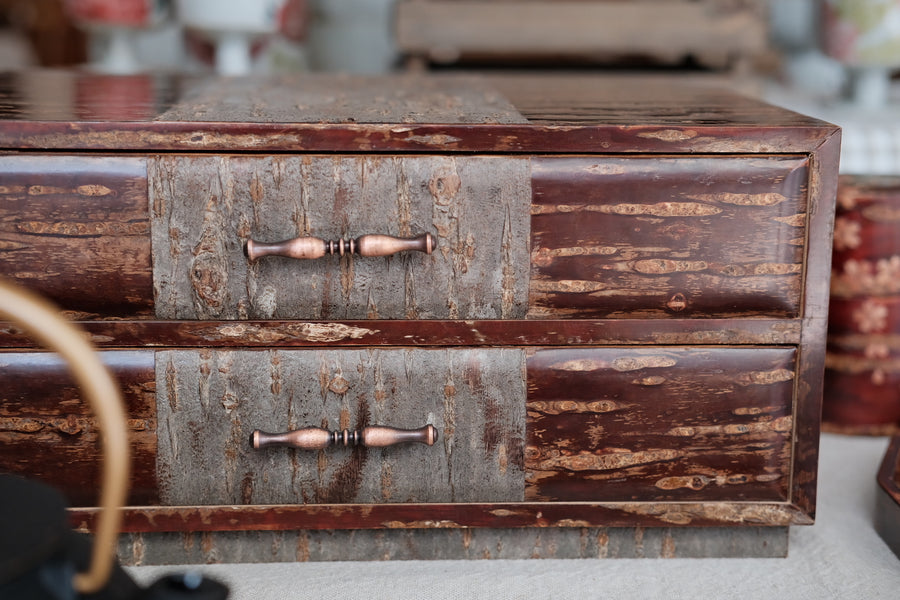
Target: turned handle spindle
(317, 438)
(366, 245)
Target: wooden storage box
(619, 337)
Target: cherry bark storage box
(612, 312)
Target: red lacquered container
(862, 367)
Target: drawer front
(620, 237)
(602, 424)
(660, 424)
(516, 237)
(206, 208)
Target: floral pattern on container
(862, 364)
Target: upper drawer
(516, 237)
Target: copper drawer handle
(317, 438)
(366, 245)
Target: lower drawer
(515, 425)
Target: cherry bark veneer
(616, 319)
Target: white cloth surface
(840, 557)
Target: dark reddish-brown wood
(437, 515)
(691, 412)
(77, 230)
(887, 508)
(582, 143)
(564, 113)
(811, 362)
(47, 430)
(668, 237)
(287, 334)
(662, 423)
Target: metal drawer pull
(317, 438)
(367, 245)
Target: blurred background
(833, 59)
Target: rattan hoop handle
(41, 321)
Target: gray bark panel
(210, 402)
(452, 544)
(311, 98)
(205, 208)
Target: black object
(40, 554)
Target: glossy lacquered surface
(76, 229)
(713, 424)
(336, 113)
(622, 322)
(602, 424)
(668, 237)
(47, 431)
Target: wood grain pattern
(414, 516)
(544, 332)
(204, 209)
(76, 229)
(729, 253)
(618, 424)
(451, 544)
(811, 365)
(47, 430)
(565, 113)
(210, 402)
(668, 237)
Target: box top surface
(60, 110)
